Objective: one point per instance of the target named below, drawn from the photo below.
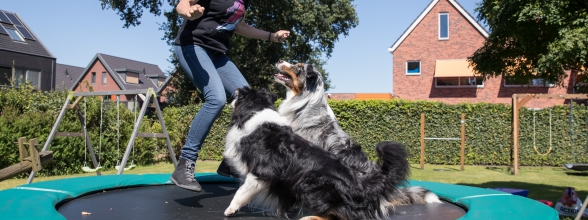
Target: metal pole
(120, 92)
(53, 131)
(164, 129)
(135, 131)
(462, 141)
(422, 141)
(444, 139)
(572, 132)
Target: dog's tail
(393, 164)
(393, 176)
(414, 195)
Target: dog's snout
(280, 61)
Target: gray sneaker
(183, 176)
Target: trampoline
(153, 196)
(577, 167)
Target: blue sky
(75, 30)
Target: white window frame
(459, 80)
(93, 78)
(14, 34)
(439, 30)
(412, 74)
(547, 85)
(27, 77)
(104, 78)
(38, 86)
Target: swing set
(517, 105)
(150, 97)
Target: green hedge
(30, 113)
(488, 131)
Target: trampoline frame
(576, 166)
(39, 200)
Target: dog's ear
(311, 73)
(273, 97)
(242, 92)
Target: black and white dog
(292, 172)
(310, 116)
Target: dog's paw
(431, 197)
(231, 211)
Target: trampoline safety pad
(153, 196)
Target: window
(34, 77)
(93, 77)
(535, 82)
(23, 75)
(132, 78)
(103, 78)
(19, 76)
(5, 75)
(443, 26)
(413, 67)
(451, 82)
(14, 34)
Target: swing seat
(577, 167)
(90, 170)
(132, 166)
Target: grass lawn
(546, 183)
(202, 166)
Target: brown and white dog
(310, 116)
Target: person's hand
(279, 36)
(197, 12)
(191, 12)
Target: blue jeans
(215, 76)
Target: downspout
(392, 74)
(52, 74)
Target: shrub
(30, 113)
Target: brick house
(111, 73)
(22, 49)
(429, 62)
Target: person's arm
(188, 9)
(246, 30)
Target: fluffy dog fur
(294, 172)
(309, 115)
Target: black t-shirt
(216, 26)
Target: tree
(533, 39)
(315, 26)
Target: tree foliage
(533, 39)
(315, 26)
